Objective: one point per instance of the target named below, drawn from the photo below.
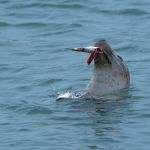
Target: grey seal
(110, 71)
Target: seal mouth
(93, 55)
(104, 59)
(100, 57)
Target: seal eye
(120, 57)
(103, 40)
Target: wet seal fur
(110, 72)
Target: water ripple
(3, 24)
(34, 68)
(72, 6)
(124, 12)
(39, 110)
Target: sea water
(35, 68)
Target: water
(34, 68)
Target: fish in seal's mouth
(101, 53)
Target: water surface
(35, 68)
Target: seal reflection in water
(110, 72)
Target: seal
(110, 72)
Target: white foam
(67, 95)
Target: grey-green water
(34, 68)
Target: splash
(69, 95)
(117, 95)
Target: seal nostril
(103, 40)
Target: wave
(26, 108)
(3, 24)
(132, 11)
(28, 24)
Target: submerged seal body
(110, 72)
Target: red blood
(92, 56)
